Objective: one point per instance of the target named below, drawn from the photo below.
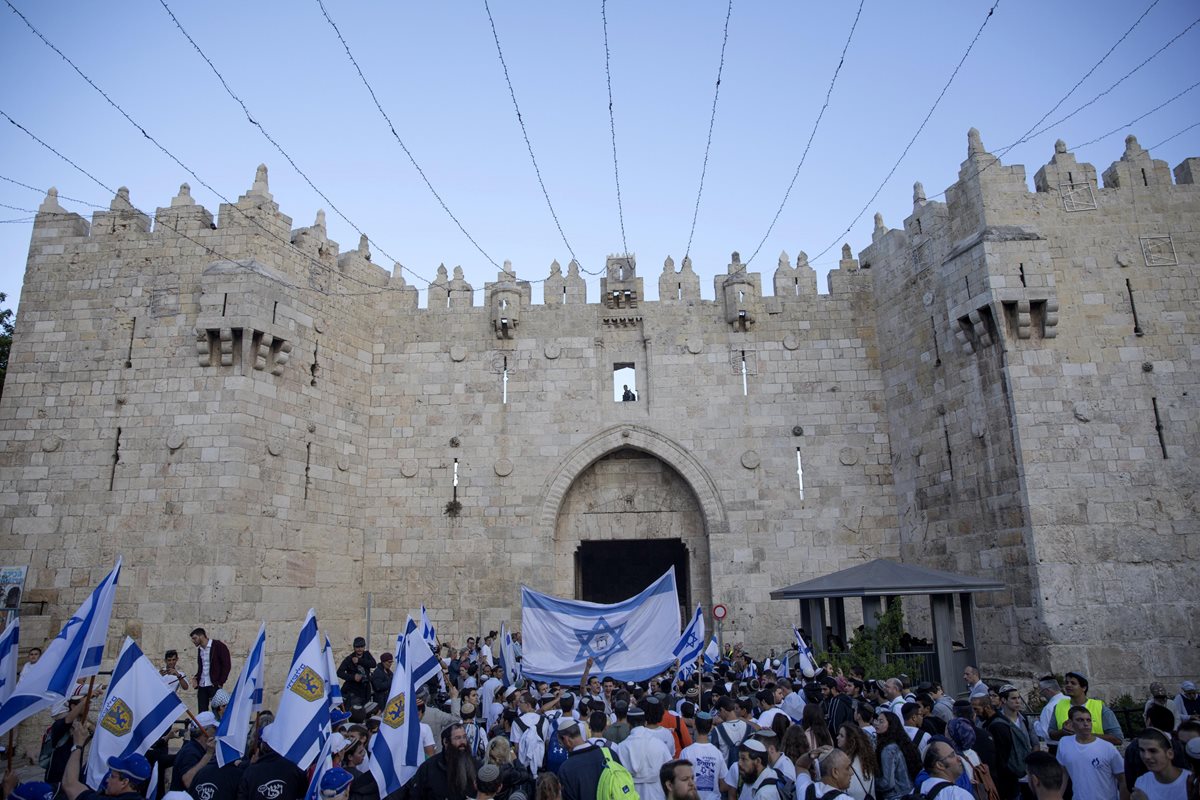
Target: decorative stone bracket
(1021, 308)
(233, 342)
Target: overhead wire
(812, 134)
(920, 128)
(528, 145)
(711, 122)
(1174, 136)
(1138, 119)
(275, 143)
(248, 217)
(412, 159)
(612, 123)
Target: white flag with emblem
(138, 708)
(302, 723)
(396, 748)
(630, 641)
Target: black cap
(360, 641)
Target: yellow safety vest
(1094, 707)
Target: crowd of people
(744, 730)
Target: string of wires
(811, 135)
(711, 121)
(272, 140)
(525, 133)
(937, 101)
(412, 159)
(612, 124)
(162, 148)
(1174, 136)
(1139, 118)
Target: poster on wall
(12, 586)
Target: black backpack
(917, 795)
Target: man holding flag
(243, 703)
(75, 653)
(126, 778)
(396, 748)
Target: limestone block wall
(1025, 394)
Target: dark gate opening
(612, 571)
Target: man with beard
(678, 780)
(448, 775)
(754, 774)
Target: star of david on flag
(690, 645)
(630, 640)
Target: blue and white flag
(630, 640)
(690, 645)
(396, 748)
(334, 688)
(712, 654)
(785, 665)
(8, 658)
(75, 653)
(302, 722)
(428, 633)
(138, 708)
(246, 698)
(805, 656)
(324, 764)
(510, 669)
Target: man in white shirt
(171, 674)
(1096, 768)
(1052, 693)
(643, 754)
(768, 711)
(706, 758)
(1164, 781)
(944, 766)
(759, 781)
(776, 760)
(835, 770)
(972, 680)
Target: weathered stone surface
(970, 395)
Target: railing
(927, 669)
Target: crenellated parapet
(678, 287)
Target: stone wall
(261, 424)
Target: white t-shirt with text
(1093, 767)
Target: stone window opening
(745, 378)
(1158, 427)
(129, 354)
(625, 382)
(503, 389)
(800, 471)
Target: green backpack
(615, 781)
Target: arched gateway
(623, 507)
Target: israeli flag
(631, 640)
(75, 653)
(246, 699)
(510, 668)
(712, 654)
(8, 658)
(428, 633)
(805, 655)
(396, 748)
(138, 708)
(324, 763)
(335, 688)
(302, 722)
(690, 645)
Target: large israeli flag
(247, 698)
(302, 722)
(690, 645)
(8, 658)
(138, 708)
(631, 640)
(396, 748)
(75, 653)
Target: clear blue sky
(436, 71)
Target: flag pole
(87, 701)
(10, 750)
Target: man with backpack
(643, 753)
(943, 766)
(1011, 748)
(731, 731)
(591, 772)
(834, 771)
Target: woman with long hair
(548, 787)
(899, 761)
(863, 766)
(816, 729)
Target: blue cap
(33, 790)
(338, 717)
(134, 766)
(335, 781)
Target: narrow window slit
(274, 312)
(1137, 328)
(1022, 270)
(937, 352)
(1145, 181)
(224, 303)
(129, 355)
(800, 472)
(454, 483)
(949, 452)
(313, 370)
(504, 383)
(307, 466)
(1158, 427)
(116, 459)
(745, 380)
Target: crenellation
(1136, 168)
